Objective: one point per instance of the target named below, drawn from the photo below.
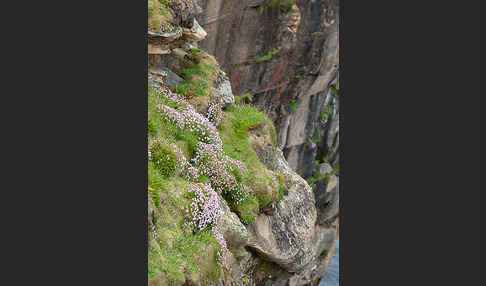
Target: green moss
(248, 209)
(150, 11)
(245, 279)
(163, 159)
(152, 129)
(175, 251)
(317, 176)
(193, 70)
(281, 186)
(199, 71)
(155, 22)
(325, 159)
(158, 13)
(244, 98)
(293, 104)
(272, 3)
(268, 56)
(324, 115)
(238, 122)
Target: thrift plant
(205, 210)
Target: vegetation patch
(186, 152)
(324, 115)
(243, 99)
(237, 123)
(317, 176)
(274, 53)
(293, 104)
(199, 71)
(175, 251)
(162, 158)
(159, 14)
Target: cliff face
(286, 55)
(206, 59)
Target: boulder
(230, 226)
(286, 237)
(222, 90)
(194, 34)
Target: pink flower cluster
(172, 115)
(224, 249)
(214, 163)
(206, 211)
(204, 208)
(238, 164)
(191, 120)
(196, 122)
(215, 113)
(190, 172)
(169, 95)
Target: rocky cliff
(228, 204)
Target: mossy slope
(177, 253)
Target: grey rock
(171, 79)
(324, 168)
(194, 34)
(167, 37)
(328, 203)
(180, 53)
(286, 237)
(222, 89)
(231, 227)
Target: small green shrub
(325, 159)
(270, 55)
(199, 87)
(293, 104)
(334, 88)
(324, 252)
(317, 176)
(281, 190)
(194, 70)
(244, 98)
(247, 118)
(324, 115)
(155, 196)
(245, 279)
(150, 11)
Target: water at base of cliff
(331, 276)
